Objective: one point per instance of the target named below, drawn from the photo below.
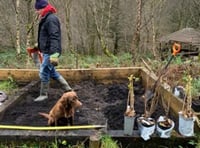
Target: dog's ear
(73, 98)
(62, 100)
(69, 100)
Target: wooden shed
(189, 38)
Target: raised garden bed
(103, 93)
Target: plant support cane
(129, 115)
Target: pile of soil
(102, 103)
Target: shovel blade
(148, 95)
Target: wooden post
(95, 141)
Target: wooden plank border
(27, 75)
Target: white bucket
(186, 125)
(145, 131)
(128, 125)
(164, 133)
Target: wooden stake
(94, 141)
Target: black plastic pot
(196, 105)
(164, 127)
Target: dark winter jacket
(49, 34)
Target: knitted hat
(39, 4)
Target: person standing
(49, 44)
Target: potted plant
(129, 115)
(186, 115)
(164, 126)
(146, 124)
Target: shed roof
(186, 35)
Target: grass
(8, 85)
(8, 59)
(196, 87)
(106, 142)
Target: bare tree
(116, 26)
(7, 38)
(32, 19)
(136, 37)
(101, 24)
(18, 48)
(156, 9)
(68, 4)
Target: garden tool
(176, 48)
(35, 54)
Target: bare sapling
(130, 111)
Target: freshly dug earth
(102, 103)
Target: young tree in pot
(186, 115)
(129, 115)
(165, 125)
(146, 124)
(130, 111)
(187, 104)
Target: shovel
(36, 55)
(176, 48)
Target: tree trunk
(136, 37)
(68, 27)
(18, 48)
(99, 26)
(68, 4)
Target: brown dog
(64, 108)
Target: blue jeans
(47, 70)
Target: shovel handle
(40, 56)
(176, 48)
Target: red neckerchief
(47, 9)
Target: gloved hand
(36, 46)
(54, 59)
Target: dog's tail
(44, 115)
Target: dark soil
(102, 103)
